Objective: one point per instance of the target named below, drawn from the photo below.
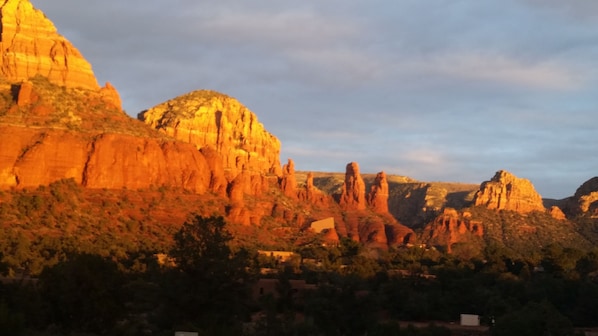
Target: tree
(533, 319)
(210, 287)
(83, 293)
(201, 245)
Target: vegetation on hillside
(68, 108)
(207, 285)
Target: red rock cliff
(30, 157)
(31, 46)
(505, 191)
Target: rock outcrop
(452, 227)
(218, 182)
(505, 191)
(556, 213)
(585, 199)
(311, 194)
(353, 193)
(378, 196)
(31, 46)
(207, 118)
(288, 181)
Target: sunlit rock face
(207, 118)
(31, 157)
(288, 181)
(353, 192)
(451, 227)
(378, 196)
(556, 213)
(505, 191)
(31, 46)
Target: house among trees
(280, 256)
(275, 288)
(323, 224)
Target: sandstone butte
(505, 191)
(31, 46)
(207, 118)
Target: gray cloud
(437, 90)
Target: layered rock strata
(505, 191)
(207, 118)
(31, 46)
(30, 157)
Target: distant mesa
(505, 191)
(31, 46)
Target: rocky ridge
(53, 128)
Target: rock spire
(353, 192)
(378, 196)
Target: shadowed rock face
(586, 198)
(207, 118)
(505, 191)
(31, 46)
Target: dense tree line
(205, 284)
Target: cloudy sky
(438, 90)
